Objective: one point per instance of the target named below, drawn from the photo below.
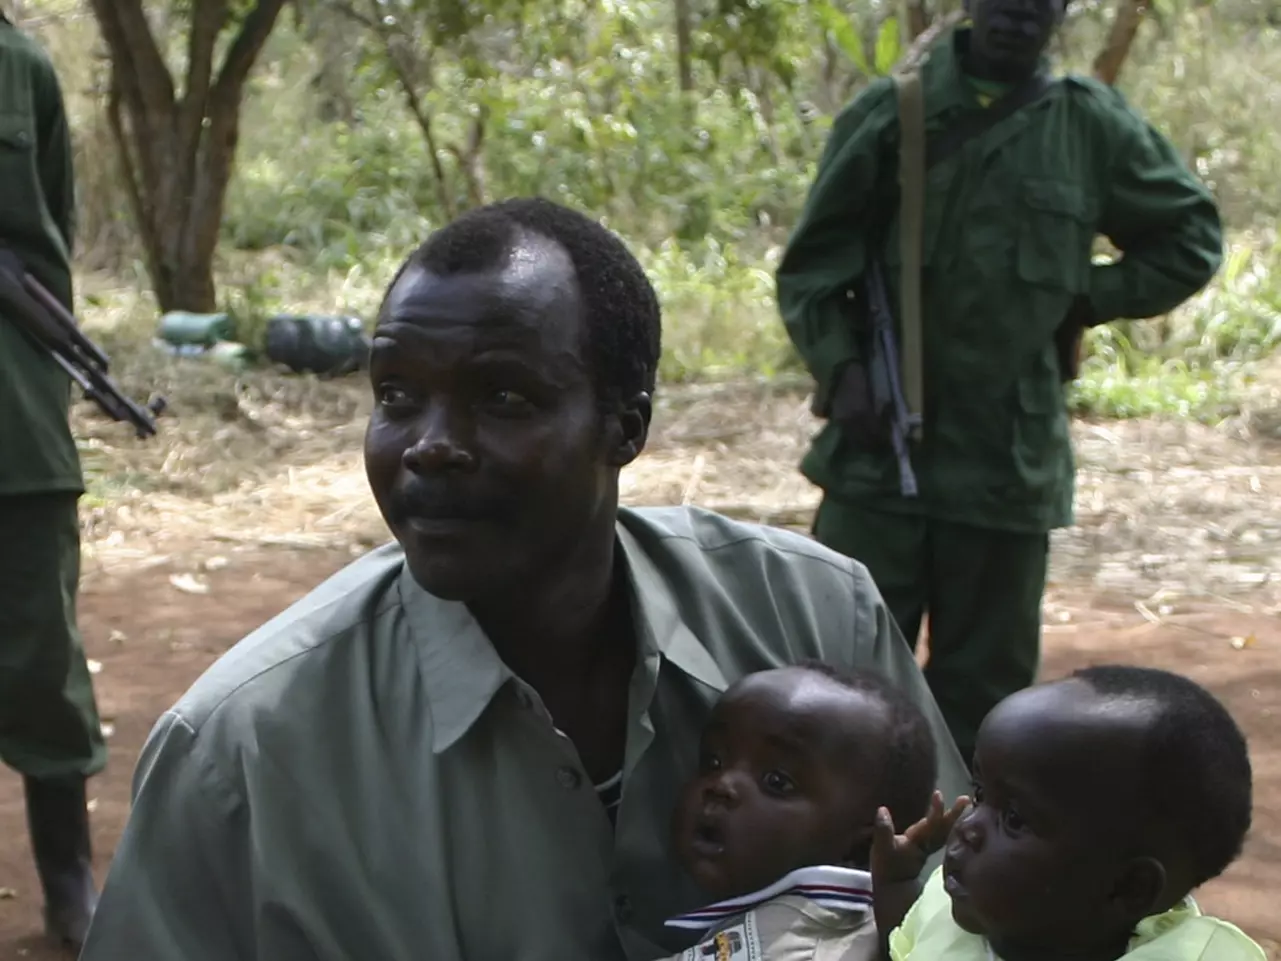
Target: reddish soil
(153, 640)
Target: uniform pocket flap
(17, 131)
(1056, 197)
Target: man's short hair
(623, 317)
(910, 772)
(1196, 777)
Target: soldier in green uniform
(1010, 219)
(49, 726)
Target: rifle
(917, 154)
(39, 315)
(883, 374)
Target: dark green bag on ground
(318, 344)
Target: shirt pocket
(17, 154)
(1055, 235)
(17, 134)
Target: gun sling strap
(917, 154)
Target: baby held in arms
(777, 826)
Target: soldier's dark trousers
(982, 592)
(49, 726)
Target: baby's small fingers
(884, 821)
(882, 833)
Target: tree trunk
(178, 152)
(684, 45)
(1108, 64)
(916, 20)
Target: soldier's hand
(852, 408)
(901, 857)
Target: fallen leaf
(1241, 643)
(188, 584)
(7, 894)
(216, 563)
(95, 667)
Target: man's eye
(507, 403)
(391, 396)
(509, 398)
(776, 782)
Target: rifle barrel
(61, 316)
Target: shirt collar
(847, 890)
(462, 672)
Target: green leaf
(844, 33)
(888, 46)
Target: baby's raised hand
(897, 858)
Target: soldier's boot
(58, 818)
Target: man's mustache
(438, 501)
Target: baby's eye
(776, 782)
(1014, 822)
(708, 761)
(976, 793)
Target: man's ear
(1139, 889)
(630, 429)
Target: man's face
(487, 451)
(788, 769)
(1009, 36)
(1039, 863)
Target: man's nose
(444, 443)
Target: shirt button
(569, 778)
(623, 908)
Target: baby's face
(1044, 857)
(778, 786)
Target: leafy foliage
(580, 100)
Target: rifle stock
(39, 315)
(888, 401)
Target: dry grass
(1164, 508)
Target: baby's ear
(1139, 888)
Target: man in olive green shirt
(1009, 224)
(419, 759)
(49, 727)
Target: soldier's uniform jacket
(1010, 221)
(821, 913)
(37, 222)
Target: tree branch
(1108, 64)
(125, 29)
(137, 198)
(925, 40)
(207, 20)
(245, 49)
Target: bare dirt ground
(238, 509)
